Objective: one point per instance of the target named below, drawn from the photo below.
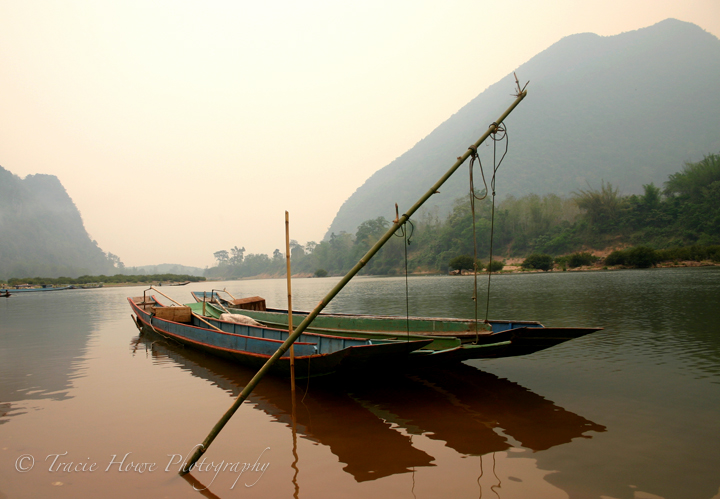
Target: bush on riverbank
(495, 266)
(644, 256)
(538, 261)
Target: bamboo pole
(289, 291)
(193, 313)
(202, 448)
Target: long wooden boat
(44, 287)
(90, 285)
(502, 338)
(315, 355)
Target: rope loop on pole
(403, 232)
(498, 134)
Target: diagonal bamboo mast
(201, 448)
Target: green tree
(221, 256)
(652, 197)
(369, 232)
(238, 254)
(462, 262)
(601, 207)
(694, 177)
(296, 250)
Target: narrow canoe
(315, 355)
(507, 338)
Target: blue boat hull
(315, 355)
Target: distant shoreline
(512, 270)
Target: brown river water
(88, 408)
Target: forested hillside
(684, 212)
(627, 109)
(42, 233)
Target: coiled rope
(499, 134)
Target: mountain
(41, 231)
(628, 109)
(165, 268)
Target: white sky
(180, 128)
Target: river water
(632, 411)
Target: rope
(474, 156)
(407, 240)
(499, 129)
(499, 134)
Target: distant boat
(26, 289)
(503, 338)
(89, 285)
(315, 354)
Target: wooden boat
(44, 287)
(315, 355)
(90, 285)
(502, 339)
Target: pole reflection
(368, 423)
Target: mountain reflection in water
(472, 412)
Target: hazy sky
(180, 128)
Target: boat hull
(454, 340)
(322, 356)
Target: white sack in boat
(239, 319)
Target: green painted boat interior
(387, 328)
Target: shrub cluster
(539, 261)
(465, 262)
(638, 257)
(495, 266)
(581, 259)
(693, 253)
(644, 256)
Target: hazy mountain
(165, 268)
(628, 109)
(41, 231)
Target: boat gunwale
(270, 328)
(369, 316)
(210, 346)
(134, 305)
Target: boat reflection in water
(472, 412)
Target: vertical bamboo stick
(289, 291)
